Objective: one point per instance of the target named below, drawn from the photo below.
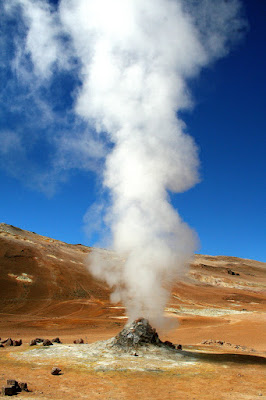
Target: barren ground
(46, 291)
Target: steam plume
(135, 58)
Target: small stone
(55, 371)
(47, 342)
(169, 344)
(8, 390)
(33, 342)
(12, 382)
(23, 386)
(9, 342)
(56, 340)
(17, 342)
(39, 340)
(230, 272)
(179, 347)
(78, 341)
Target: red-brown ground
(46, 291)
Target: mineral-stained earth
(216, 312)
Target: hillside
(45, 284)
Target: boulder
(56, 340)
(78, 341)
(8, 391)
(169, 344)
(39, 340)
(12, 382)
(47, 342)
(55, 371)
(23, 386)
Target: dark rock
(23, 386)
(47, 342)
(9, 342)
(33, 342)
(1, 345)
(169, 344)
(17, 342)
(78, 341)
(56, 340)
(230, 272)
(138, 333)
(8, 390)
(39, 340)
(14, 384)
(55, 371)
(179, 347)
(5, 341)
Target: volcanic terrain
(216, 312)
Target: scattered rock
(47, 342)
(17, 342)
(56, 340)
(78, 341)
(230, 272)
(39, 340)
(179, 347)
(169, 344)
(13, 387)
(12, 382)
(33, 342)
(209, 341)
(23, 386)
(9, 342)
(8, 391)
(55, 371)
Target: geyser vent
(138, 333)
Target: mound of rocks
(138, 333)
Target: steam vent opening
(138, 333)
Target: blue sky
(226, 209)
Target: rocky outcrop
(138, 333)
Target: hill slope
(45, 284)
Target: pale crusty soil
(46, 291)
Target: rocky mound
(138, 333)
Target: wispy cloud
(39, 81)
